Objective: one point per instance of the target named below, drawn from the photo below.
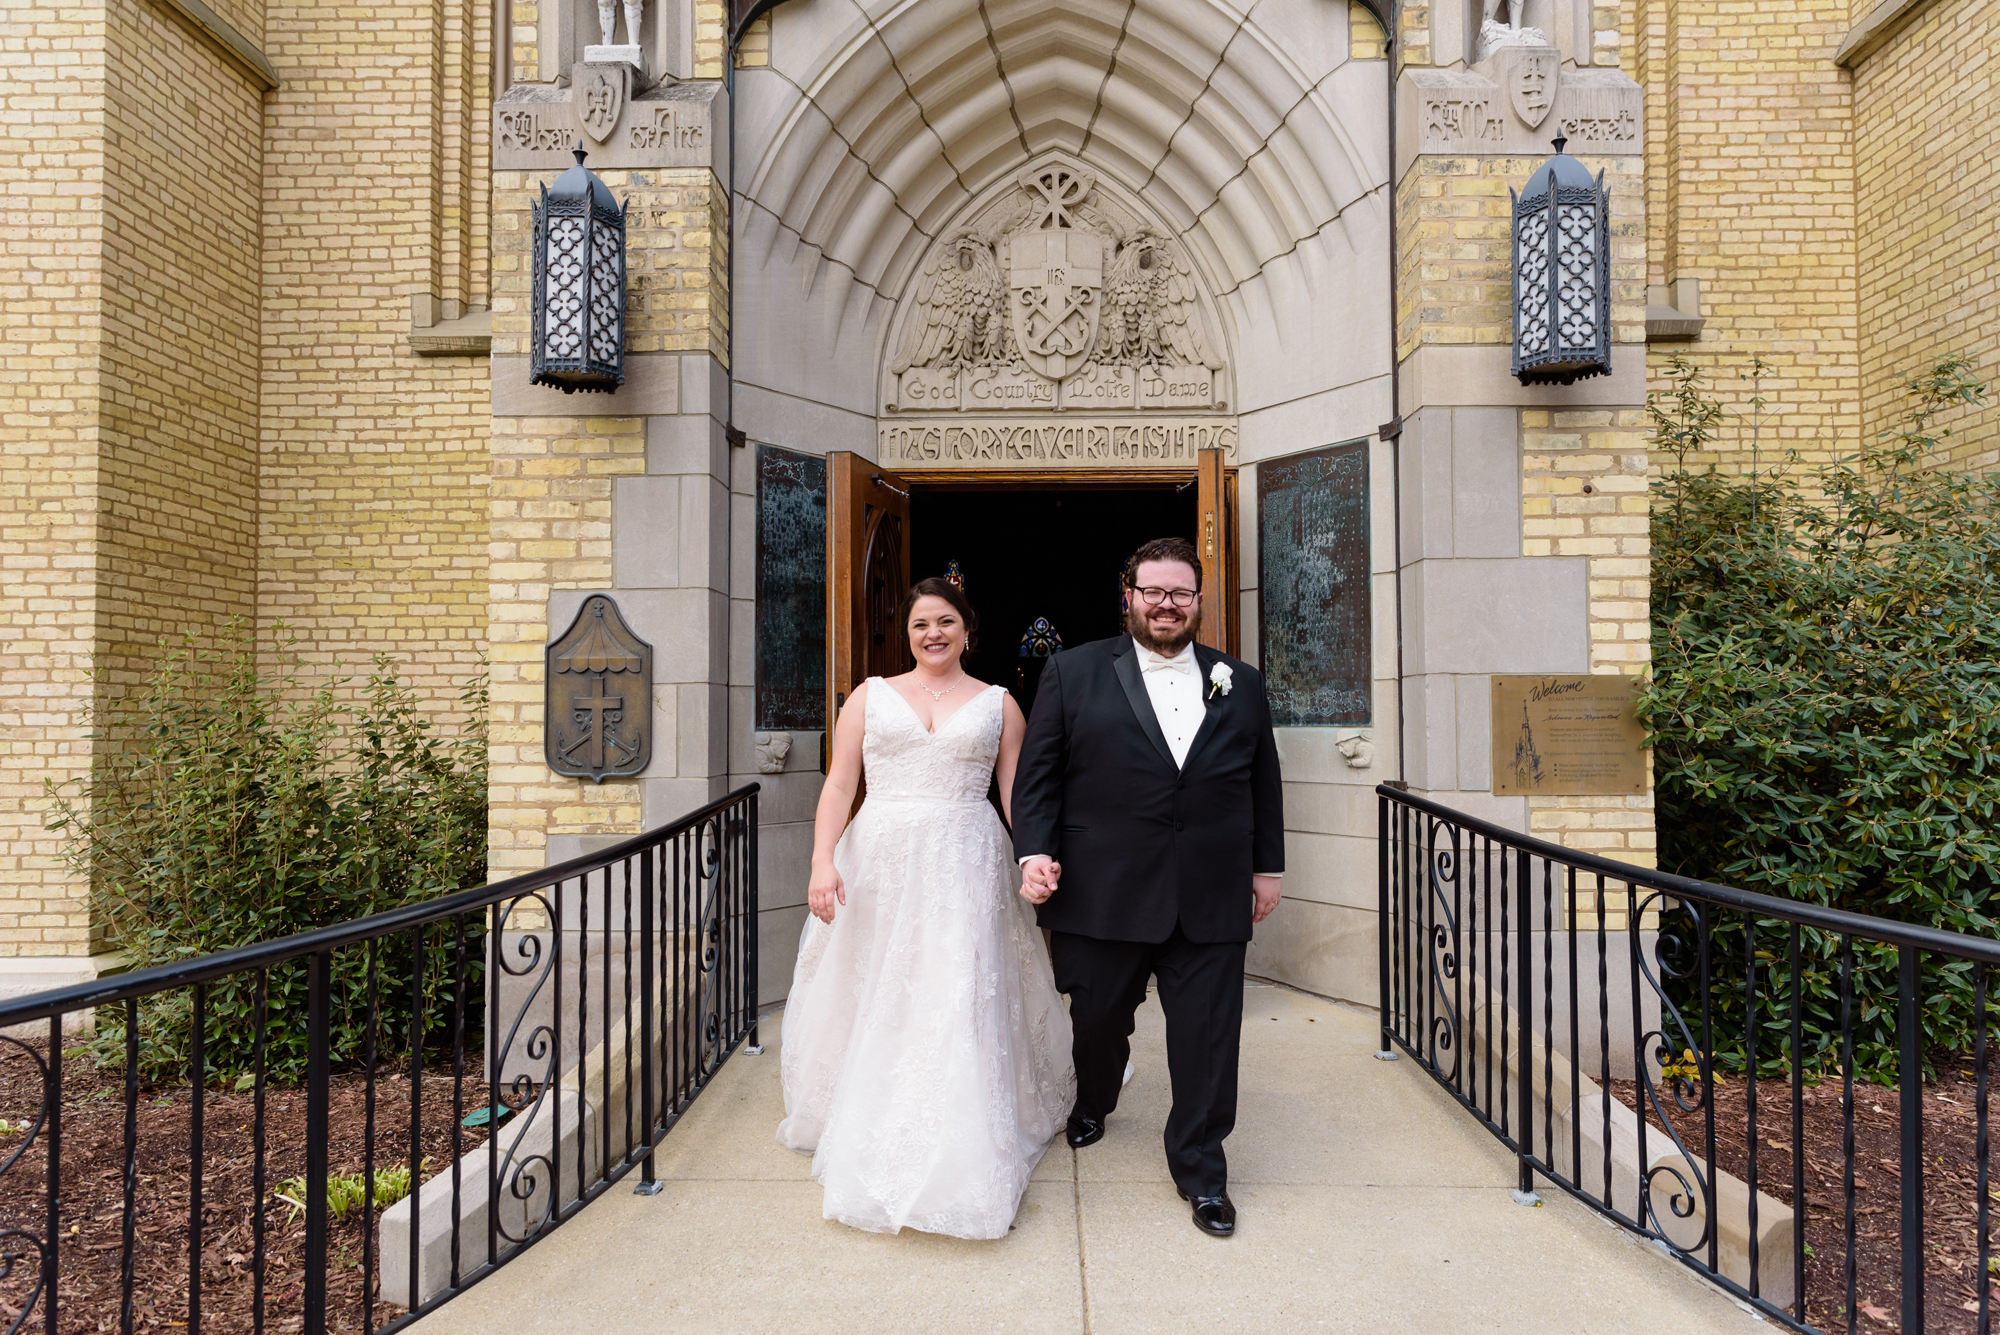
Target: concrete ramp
(1367, 1202)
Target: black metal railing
(1595, 1017)
(602, 994)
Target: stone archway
(1251, 139)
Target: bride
(926, 1053)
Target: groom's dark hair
(939, 587)
(1165, 549)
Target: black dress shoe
(1083, 1131)
(1213, 1215)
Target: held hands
(1038, 878)
(1266, 889)
(824, 891)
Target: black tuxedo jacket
(1143, 844)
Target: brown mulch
(92, 1208)
(1950, 1192)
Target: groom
(1149, 821)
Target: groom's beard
(1135, 625)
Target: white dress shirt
(1174, 686)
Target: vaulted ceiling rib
(900, 111)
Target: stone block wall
(621, 492)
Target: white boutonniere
(1218, 680)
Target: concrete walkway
(1367, 1202)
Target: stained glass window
(791, 590)
(1312, 586)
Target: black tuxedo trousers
(1157, 860)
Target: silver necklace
(939, 695)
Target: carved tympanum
(599, 696)
(1056, 296)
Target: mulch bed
(1950, 1192)
(93, 1156)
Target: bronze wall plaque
(1567, 736)
(600, 696)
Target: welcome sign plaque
(1567, 736)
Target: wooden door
(1215, 539)
(867, 574)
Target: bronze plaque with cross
(600, 696)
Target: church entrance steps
(1368, 1203)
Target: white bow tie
(1155, 663)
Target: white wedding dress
(926, 1056)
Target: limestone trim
(1874, 32)
(226, 39)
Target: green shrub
(235, 805)
(1825, 710)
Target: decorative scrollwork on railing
(1689, 1088)
(1441, 871)
(17, 1244)
(520, 1173)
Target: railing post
(319, 995)
(1524, 946)
(755, 1047)
(1388, 1049)
(1910, 1055)
(648, 1185)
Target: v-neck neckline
(935, 729)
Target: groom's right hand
(1039, 875)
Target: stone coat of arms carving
(1531, 83)
(600, 98)
(1056, 297)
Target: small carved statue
(1496, 32)
(773, 748)
(1357, 751)
(607, 20)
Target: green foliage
(236, 805)
(1825, 709)
(350, 1192)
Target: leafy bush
(236, 806)
(1825, 709)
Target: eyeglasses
(1154, 597)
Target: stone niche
(665, 40)
(1055, 324)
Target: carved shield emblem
(599, 696)
(1531, 84)
(600, 98)
(1055, 277)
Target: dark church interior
(1055, 554)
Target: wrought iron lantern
(1562, 274)
(578, 298)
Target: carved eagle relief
(1144, 297)
(959, 318)
(1152, 312)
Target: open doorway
(1050, 555)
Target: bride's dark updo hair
(938, 587)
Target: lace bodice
(899, 759)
